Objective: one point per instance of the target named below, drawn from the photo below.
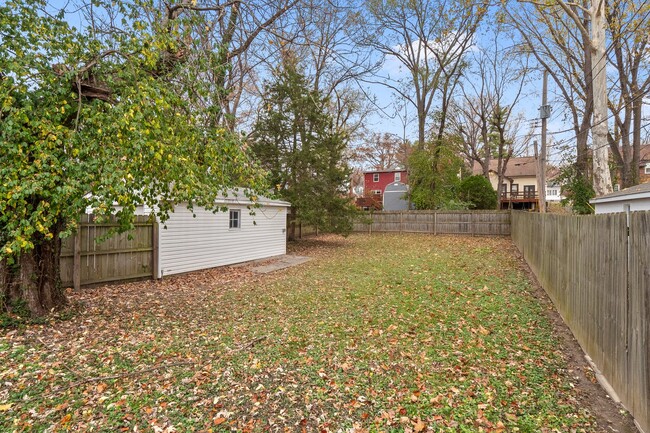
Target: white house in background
(553, 192)
(190, 241)
(635, 198)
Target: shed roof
(633, 192)
(237, 196)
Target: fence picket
(85, 261)
(445, 222)
(600, 289)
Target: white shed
(635, 198)
(203, 239)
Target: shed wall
(190, 244)
(618, 206)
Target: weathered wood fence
(596, 269)
(124, 256)
(444, 222)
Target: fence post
(435, 222)
(76, 260)
(401, 222)
(155, 250)
(472, 222)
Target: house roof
(631, 193)
(644, 153)
(525, 166)
(396, 170)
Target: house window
(376, 191)
(514, 189)
(235, 218)
(375, 177)
(529, 191)
(616, 187)
(398, 177)
(504, 188)
(647, 169)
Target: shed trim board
(201, 239)
(620, 198)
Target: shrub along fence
(596, 269)
(444, 222)
(123, 256)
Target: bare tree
(563, 51)
(232, 35)
(485, 117)
(631, 59)
(383, 152)
(549, 31)
(429, 39)
(324, 37)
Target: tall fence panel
(639, 313)
(445, 222)
(598, 277)
(85, 260)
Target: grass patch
(382, 334)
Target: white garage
(192, 241)
(635, 198)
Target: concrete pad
(281, 262)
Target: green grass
(383, 333)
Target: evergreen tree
(295, 140)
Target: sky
(385, 118)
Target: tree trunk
(601, 177)
(35, 279)
(292, 225)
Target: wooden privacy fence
(85, 261)
(444, 222)
(596, 269)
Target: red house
(375, 182)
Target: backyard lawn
(391, 333)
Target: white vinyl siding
(189, 244)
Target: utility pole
(544, 114)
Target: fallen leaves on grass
(433, 334)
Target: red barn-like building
(375, 182)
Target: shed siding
(619, 206)
(189, 244)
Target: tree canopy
(97, 122)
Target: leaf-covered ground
(390, 333)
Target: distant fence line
(596, 269)
(85, 261)
(473, 223)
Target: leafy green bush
(478, 191)
(577, 190)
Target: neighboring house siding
(385, 178)
(644, 172)
(189, 244)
